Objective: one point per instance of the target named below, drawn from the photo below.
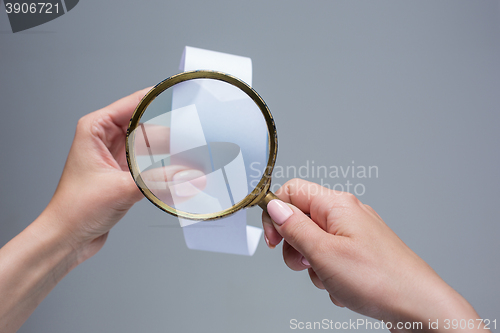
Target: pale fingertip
(270, 231)
(279, 211)
(305, 262)
(269, 245)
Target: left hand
(94, 193)
(96, 188)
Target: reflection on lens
(201, 146)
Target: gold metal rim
(262, 187)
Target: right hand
(357, 258)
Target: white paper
(195, 59)
(247, 130)
(186, 120)
(228, 235)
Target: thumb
(296, 228)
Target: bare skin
(94, 193)
(349, 251)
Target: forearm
(31, 265)
(437, 306)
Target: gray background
(411, 87)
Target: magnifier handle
(268, 197)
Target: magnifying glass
(202, 145)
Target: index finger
(319, 202)
(301, 194)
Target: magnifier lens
(200, 147)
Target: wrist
(59, 230)
(53, 242)
(76, 230)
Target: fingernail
(267, 242)
(305, 262)
(187, 182)
(279, 211)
